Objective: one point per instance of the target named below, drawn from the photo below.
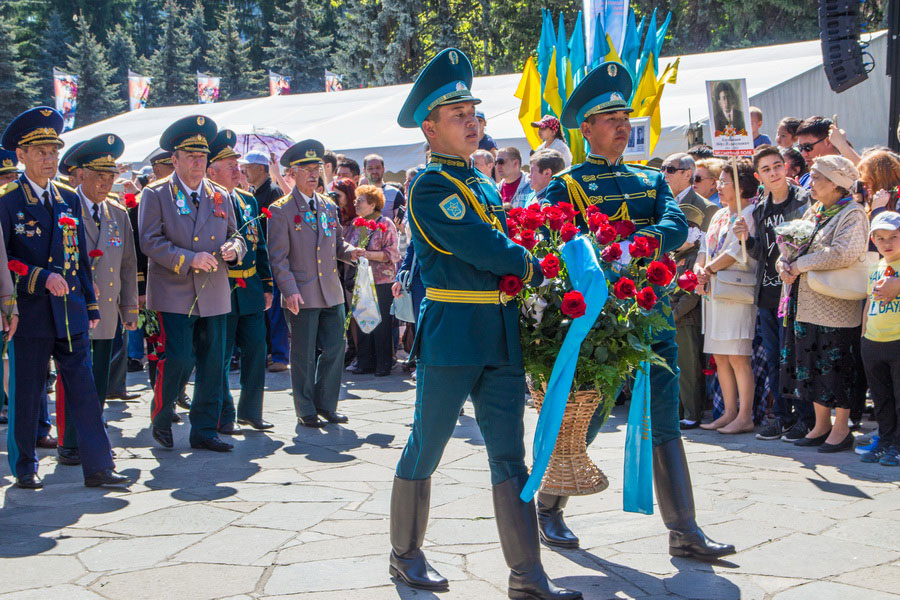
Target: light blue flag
(587, 277)
(637, 495)
(562, 55)
(601, 46)
(661, 36)
(631, 47)
(577, 56)
(545, 53)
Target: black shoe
(214, 444)
(231, 429)
(163, 437)
(4, 417)
(685, 425)
(797, 432)
(771, 430)
(68, 456)
(815, 441)
(176, 418)
(134, 365)
(183, 401)
(29, 482)
(410, 500)
(311, 421)
(551, 526)
(106, 477)
(256, 423)
(123, 396)
(333, 416)
(845, 444)
(382, 373)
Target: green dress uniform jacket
(254, 267)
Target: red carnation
(640, 248)
(606, 234)
(152, 357)
(624, 228)
(567, 210)
(95, 253)
(624, 288)
(573, 304)
(217, 197)
(130, 201)
(568, 232)
(382, 227)
(510, 285)
(18, 267)
(688, 281)
(670, 264)
(266, 212)
(658, 273)
(241, 282)
(528, 239)
(550, 266)
(371, 225)
(67, 221)
(359, 222)
(711, 367)
(532, 220)
(646, 298)
(611, 253)
(297, 219)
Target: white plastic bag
(365, 302)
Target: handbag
(847, 283)
(402, 305)
(732, 285)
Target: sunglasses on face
(699, 178)
(500, 161)
(808, 147)
(671, 170)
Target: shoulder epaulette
(242, 191)
(7, 188)
(115, 204)
(218, 188)
(159, 182)
(645, 167)
(281, 201)
(328, 201)
(433, 166)
(62, 185)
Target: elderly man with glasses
(679, 169)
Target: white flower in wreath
(534, 306)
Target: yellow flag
(576, 140)
(551, 88)
(646, 102)
(529, 92)
(670, 75)
(612, 54)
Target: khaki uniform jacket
(304, 250)
(171, 235)
(114, 273)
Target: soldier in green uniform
(467, 339)
(251, 294)
(599, 107)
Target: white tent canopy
(783, 80)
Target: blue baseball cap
(885, 221)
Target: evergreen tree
(53, 53)
(122, 57)
(17, 88)
(359, 39)
(229, 58)
(173, 80)
(146, 19)
(98, 96)
(298, 48)
(199, 38)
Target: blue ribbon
(637, 495)
(588, 278)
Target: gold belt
(245, 274)
(463, 296)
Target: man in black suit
(728, 112)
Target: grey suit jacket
(303, 251)
(114, 273)
(172, 232)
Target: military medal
(115, 238)
(20, 228)
(325, 225)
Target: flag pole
(740, 210)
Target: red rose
(241, 282)
(624, 288)
(371, 225)
(624, 228)
(568, 232)
(646, 299)
(160, 349)
(510, 285)
(591, 209)
(95, 253)
(515, 214)
(67, 221)
(567, 210)
(528, 239)
(611, 253)
(532, 220)
(18, 267)
(640, 248)
(152, 357)
(670, 264)
(606, 234)
(297, 219)
(658, 273)
(130, 201)
(550, 266)
(513, 229)
(266, 212)
(555, 218)
(382, 227)
(573, 304)
(688, 281)
(597, 220)
(653, 243)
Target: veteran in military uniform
(251, 294)
(110, 249)
(189, 234)
(8, 169)
(305, 242)
(41, 221)
(599, 107)
(467, 337)
(68, 173)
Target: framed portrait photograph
(638, 147)
(729, 117)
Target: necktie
(196, 200)
(47, 204)
(96, 211)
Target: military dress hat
(605, 89)
(8, 162)
(446, 79)
(191, 134)
(302, 153)
(64, 167)
(222, 146)
(41, 125)
(693, 214)
(161, 157)
(97, 154)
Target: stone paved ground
(303, 514)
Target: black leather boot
(410, 502)
(675, 497)
(517, 524)
(552, 528)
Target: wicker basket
(571, 471)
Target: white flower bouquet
(793, 238)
